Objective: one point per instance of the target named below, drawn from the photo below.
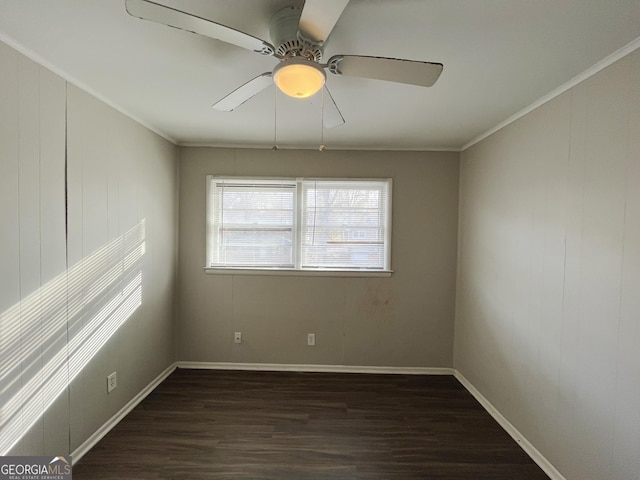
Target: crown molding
(601, 65)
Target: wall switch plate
(237, 338)
(112, 382)
(311, 339)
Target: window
(298, 224)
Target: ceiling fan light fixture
(299, 77)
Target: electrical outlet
(237, 338)
(311, 339)
(112, 382)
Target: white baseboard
(90, 442)
(530, 450)
(286, 367)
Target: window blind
(251, 223)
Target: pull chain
(275, 119)
(322, 123)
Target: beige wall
(69, 279)
(548, 298)
(404, 320)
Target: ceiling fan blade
(319, 17)
(331, 114)
(244, 93)
(397, 70)
(171, 17)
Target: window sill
(296, 273)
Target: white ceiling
(499, 57)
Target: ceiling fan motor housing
(284, 35)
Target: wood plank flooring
(208, 424)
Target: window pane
(252, 223)
(247, 247)
(344, 224)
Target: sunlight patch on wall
(52, 334)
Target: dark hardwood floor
(207, 424)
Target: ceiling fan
(298, 37)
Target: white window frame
(296, 268)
